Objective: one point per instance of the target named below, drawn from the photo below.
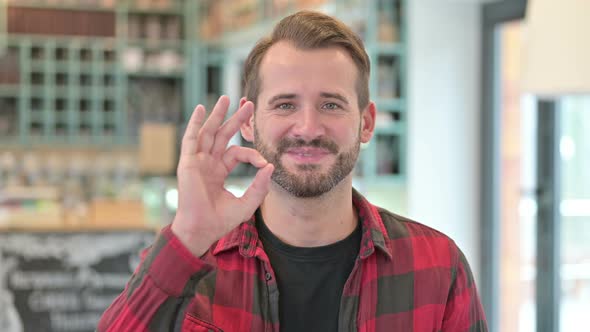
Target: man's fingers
(257, 190)
(230, 127)
(239, 154)
(209, 129)
(189, 139)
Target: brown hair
(309, 30)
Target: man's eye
(331, 106)
(285, 106)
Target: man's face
(307, 122)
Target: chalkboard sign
(52, 282)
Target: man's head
(310, 30)
(309, 121)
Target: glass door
(574, 209)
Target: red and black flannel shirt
(407, 277)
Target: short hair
(310, 30)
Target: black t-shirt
(310, 280)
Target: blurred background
(95, 96)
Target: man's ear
(368, 117)
(247, 128)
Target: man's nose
(309, 124)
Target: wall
(444, 99)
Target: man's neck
(310, 222)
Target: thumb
(257, 190)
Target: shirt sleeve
(153, 297)
(463, 310)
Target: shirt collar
(374, 235)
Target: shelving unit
(385, 40)
(78, 79)
(95, 82)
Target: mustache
(322, 143)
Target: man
(301, 250)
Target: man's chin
(302, 191)
(307, 173)
(305, 183)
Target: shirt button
(268, 276)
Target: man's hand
(206, 210)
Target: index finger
(231, 127)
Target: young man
(301, 250)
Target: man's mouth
(307, 154)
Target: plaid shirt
(407, 277)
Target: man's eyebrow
(335, 96)
(282, 96)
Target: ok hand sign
(206, 210)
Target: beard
(310, 181)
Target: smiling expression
(307, 121)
